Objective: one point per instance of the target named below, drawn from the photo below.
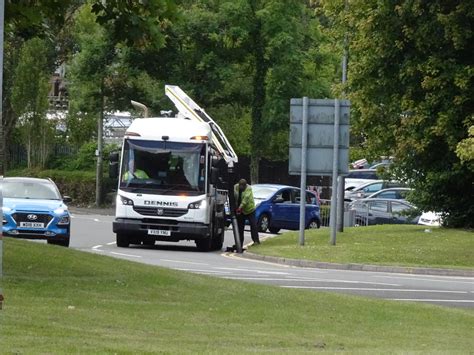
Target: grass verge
(66, 301)
(402, 245)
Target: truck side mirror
(214, 176)
(113, 170)
(114, 157)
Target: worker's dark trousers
(253, 226)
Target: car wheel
(263, 223)
(123, 241)
(64, 242)
(274, 230)
(204, 244)
(314, 224)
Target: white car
(430, 218)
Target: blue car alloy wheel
(34, 209)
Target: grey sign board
(320, 139)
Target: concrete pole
(100, 139)
(335, 171)
(304, 146)
(342, 180)
(2, 145)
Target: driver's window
(283, 196)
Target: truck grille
(160, 212)
(40, 217)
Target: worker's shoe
(256, 241)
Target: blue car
(278, 207)
(33, 208)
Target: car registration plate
(31, 225)
(165, 233)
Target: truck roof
(175, 128)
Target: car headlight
(126, 201)
(59, 210)
(6, 209)
(197, 205)
(64, 220)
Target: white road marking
(370, 289)
(129, 255)
(255, 278)
(308, 279)
(204, 271)
(95, 247)
(430, 300)
(111, 243)
(96, 220)
(184, 262)
(427, 279)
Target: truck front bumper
(179, 230)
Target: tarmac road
(93, 233)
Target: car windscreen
(263, 192)
(163, 167)
(30, 190)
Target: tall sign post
(319, 145)
(2, 145)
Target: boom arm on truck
(192, 110)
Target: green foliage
(412, 89)
(465, 149)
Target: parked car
(394, 193)
(358, 177)
(430, 218)
(369, 188)
(33, 208)
(278, 207)
(382, 211)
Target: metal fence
(325, 213)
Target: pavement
(110, 211)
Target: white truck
(169, 171)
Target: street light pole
(2, 145)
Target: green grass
(404, 245)
(65, 301)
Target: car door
(294, 210)
(398, 209)
(379, 212)
(281, 208)
(370, 189)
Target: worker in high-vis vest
(133, 173)
(245, 210)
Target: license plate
(165, 233)
(31, 225)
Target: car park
(278, 207)
(369, 188)
(394, 193)
(383, 211)
(357, 177)
(34, 209)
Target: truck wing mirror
(114, 157)
(113, 170)
(214, 176)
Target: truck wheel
(123, 240)
(204, 244)
(218, 241)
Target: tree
(30, 99)
(411, 85)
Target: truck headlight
(126, 201)
(197, 205)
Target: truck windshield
(160, 167)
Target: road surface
(93, 233)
